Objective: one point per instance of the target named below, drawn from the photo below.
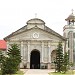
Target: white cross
(35, 15)
(72, 11)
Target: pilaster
(42, 51)
(71, 46)
(22, 50)
(49, 53)
(28, 51)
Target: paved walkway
(37, 71)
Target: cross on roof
(72, 11)
(35, 15)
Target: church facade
(37, 44)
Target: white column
(21, 64)
(49, 54)
(42, 51)
(22, 50)
(24, 53)
(28, 51)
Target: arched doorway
(35, 59)
(53, 58)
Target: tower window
(73, 35)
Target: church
(38, 43)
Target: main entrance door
(35, 59)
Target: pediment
(35, 34)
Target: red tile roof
(3, 45)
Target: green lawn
(18, 73)
(67, 73)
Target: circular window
(35, 35)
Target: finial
(35, 15)
(72, 11)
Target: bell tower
(69, 34)
(71, 19)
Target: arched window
(70, 38)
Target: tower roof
(70, 17)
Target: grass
(17, 73)
(67, 73)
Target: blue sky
(15, 13)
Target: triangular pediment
(35, 33)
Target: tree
(59, 57)
(8, 66)
(1, 56)
(65, 65)
(13, 60)
(1, 59)
(14, 53)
